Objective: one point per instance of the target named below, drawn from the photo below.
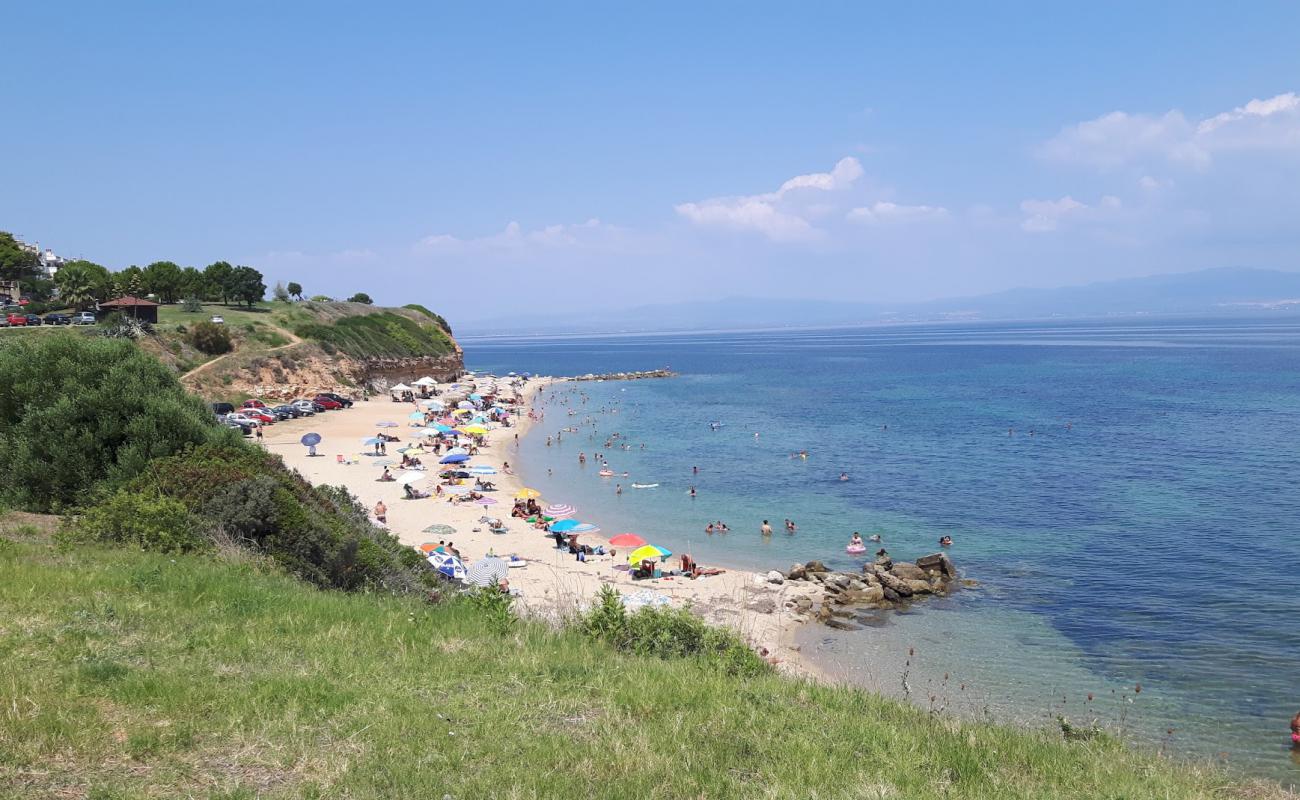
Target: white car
(243, 420)
(217, 319)
(305, 406)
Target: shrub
(322, 298)
(209, 338)
(244, 509)
(76, 412)
(379, 334)
(151, 523)
(191, 305)
(442, 323)
(280, 293)
(494, 605)
(360, 297)
(667, 633)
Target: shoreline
(554, 585)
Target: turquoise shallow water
(1146, 532)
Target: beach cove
(554, 585)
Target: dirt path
(293, 340)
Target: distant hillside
(1212, 291)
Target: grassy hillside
(131, 674)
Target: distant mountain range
(1226, 290)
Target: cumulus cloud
(882, 212)
(781, 216)
(1042, 216)
(1119, 138)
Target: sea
(1123, 496)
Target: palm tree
(77, 292)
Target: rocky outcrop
(881, 585)
(380, 373)
(626, 376)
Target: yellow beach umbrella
(462, 412)
(528, 494)
(647, 552)
(477, 430)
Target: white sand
(554, 585)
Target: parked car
(32, 319)
(84, 318)
(288, 411)
(254, 404)
(246, 428)
(58, 319)
(4, 321)
(221, 409)
(280, 416)
(217, 319)
(262, 416)
(243, 419)
(338, 398)
(328, 403)
(306, 407)
(16, 320)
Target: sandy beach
(553, 585)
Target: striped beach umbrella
(450, 566)
(560, 510)
(487, 571)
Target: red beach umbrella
(627, 540)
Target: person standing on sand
(766, 529)
(381, 512)
(258, 430)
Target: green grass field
(132, 675)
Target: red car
(326, 403)
(17, 319)
(260, 415)
(254, 404)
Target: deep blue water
(1126, 494)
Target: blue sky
(618, 155)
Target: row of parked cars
(18, 319)
(255, 413)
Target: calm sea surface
(1126, 494)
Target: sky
(613, 155)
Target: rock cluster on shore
(882, 584)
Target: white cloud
(513, 236)
(1046, 215)
(781, 216)
(883, 213)
(1119, 138)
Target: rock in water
(908, 572)
(938, 562)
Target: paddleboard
(644, 485)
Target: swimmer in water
(945, 541)
(692, 492)
(875, 537)
(856, 541)
(618, 488)
(1295, 731)
(844, 476)
(765, 529)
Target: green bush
(442, 323)
(77, 412)
(380, 334)
(209, 338)
(191, 305)
(667, 633)
(151, 523)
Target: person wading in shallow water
(1295, 732)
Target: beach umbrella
(401, 387)
(448, 565)
(385, 424)
(417, 416)
(465, 405)
(428, 547)
(310, 439)
(560, 510)
(565, 526)
(438, 529)
(426, 381)
(476, 397)
(474, 430)
(462, 412)
(371, 440)
(412, 451)
(428, 432)
(457, 490)
(458, 458)
(408, 478)
(528, 494)
(584, 527)
(648, 551)
(487, 571)
(482, 469)
(440, 428)
(457, 451)
(627, 540)
(383, 462)
(486, 501)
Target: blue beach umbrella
(456, 459)
(371, 440)
(565, 526)
(416, 415)
(448, 565)
(310, 439)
